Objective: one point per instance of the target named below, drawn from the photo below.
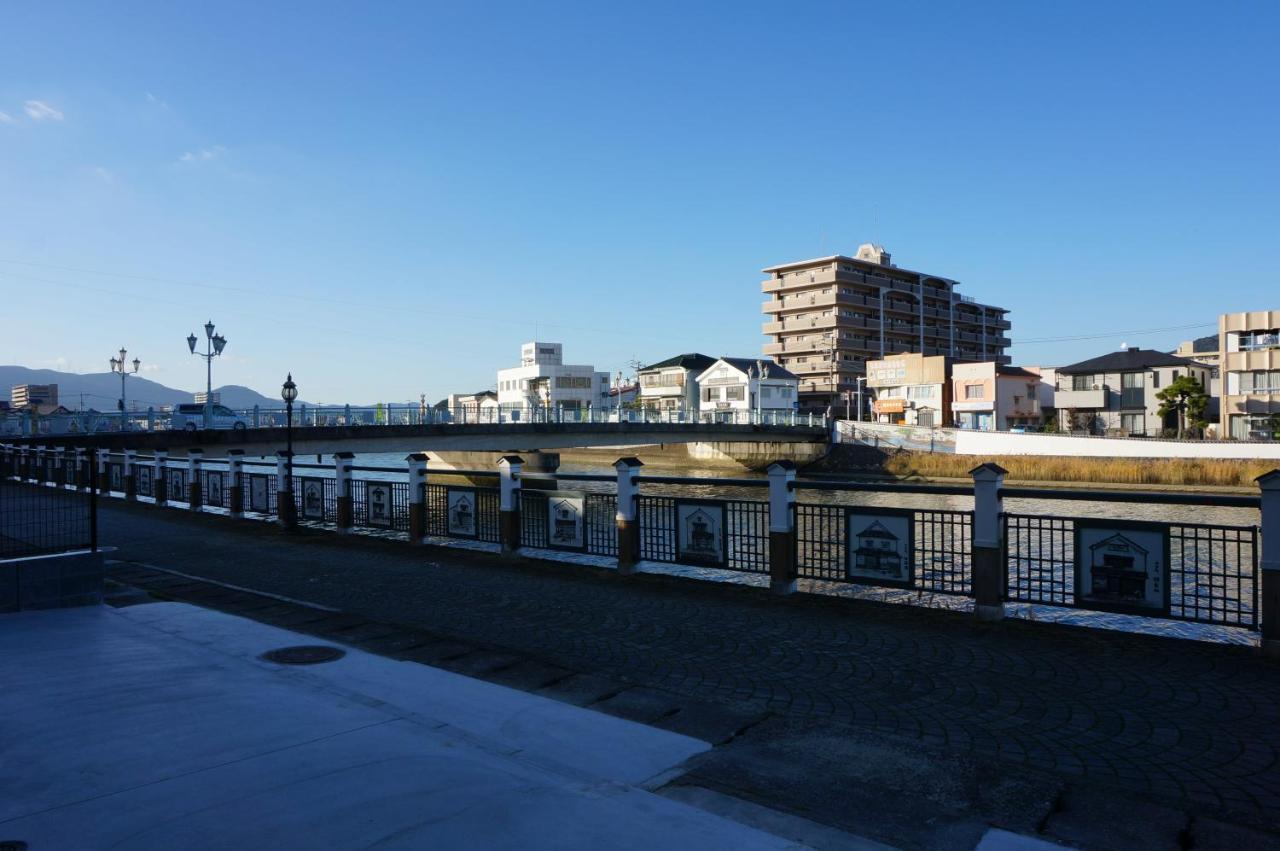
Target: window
(974, 391)
(710, 394)
(1082, 382)
(1134, 423)
(1155, 377)
(734, 393)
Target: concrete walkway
(159, 727)
(914, 727)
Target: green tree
(1275, 426)
(1184, 396)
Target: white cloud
(203, 154)
(150, 367)
(38, 110)
(152, 99)
(104, 174)
(6, 118)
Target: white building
(746, 384)
(543, 381)
(472, 407)
(672, 385)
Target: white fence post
(509, 467)
(628, 529)
(344, 508)
(1269, 562)
(417, 497)
(195, 493)
(286, 508)
(235, 482)
(989, 569)
(159, 477)
(129, 473)
(782, 527)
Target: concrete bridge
(750, 445)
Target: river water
(1243, 518)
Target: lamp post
(120, 365)
(861, 380)
(289, 392)
(213, 348)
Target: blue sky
(388, 199)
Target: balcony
(1093, 398)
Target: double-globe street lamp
(120, 365)
(213, 348)
(288, 392)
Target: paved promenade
(914, 727)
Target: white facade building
(744, 385)
(672, 385)
(543, 382)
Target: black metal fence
(575, 522)
(940, 559)
(1212, 569)
(39, 520)
(717, 533)
(1208, 573)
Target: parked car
(191, 418)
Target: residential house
(543, 381)
(743, 385)
(993, 397)
(672, 384)
(1250, 374)
(1116, 393)
(911, 389)
(472, 407)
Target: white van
(191, 418)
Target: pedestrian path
(159, 726)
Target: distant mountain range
(102, 389)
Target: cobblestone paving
(1195, 722)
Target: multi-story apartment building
(1249, 345)
(830, 315)
(544, 381)
(1116, 393)
(38, 395)
(991, 397)
(672, 384)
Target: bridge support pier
(782, 527)
(628, 529)
(509, 467)
(195, 495)
(130, 476)
(235, 482)
(989, 569)
(417, 497)
(344, 508)
(1269, 599)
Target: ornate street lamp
(121, 366)
(214, 343)
(289, 392)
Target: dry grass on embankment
(1125, 471)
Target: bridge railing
(26, 425)
(1209, 559)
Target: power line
(1104, 335)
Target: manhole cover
(304, 654)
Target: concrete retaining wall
(991, 443)
(51, 582)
